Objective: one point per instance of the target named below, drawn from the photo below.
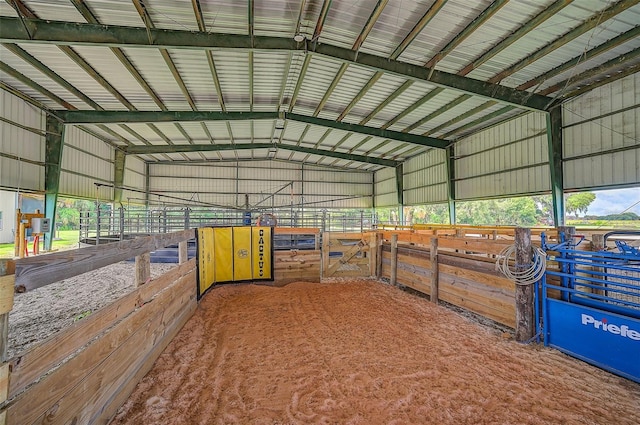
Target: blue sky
(615, 201)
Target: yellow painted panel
(242, 253)
(206, 265)
(262, 253)
(223, 254)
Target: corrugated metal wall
(385, 182)
(86, 160)
(600, 138)
(507, 159)
(21, 144)
(226, 184)
(425, 178)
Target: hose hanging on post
(525, 277)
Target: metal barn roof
(353, 84)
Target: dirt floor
(38, 314)
(363, 353)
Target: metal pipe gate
(590, 306)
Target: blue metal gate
(590, 304)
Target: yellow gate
(233, 254)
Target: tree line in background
(520, 211)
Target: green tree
(579, 202)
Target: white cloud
(615, 201)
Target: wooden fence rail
(85, 372)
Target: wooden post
(373, 254)
(316, 241)
(394, 259)
(568, 231)
(525, 318)
(435, 274)
(379, 256)
(143, 268)
(326, 246)
(22, 244)
(183, 253)
(7, 282)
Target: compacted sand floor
(362, 352)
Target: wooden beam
(433, 254)
(34, 272)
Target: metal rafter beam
(590, 54)
(154, 149)
(579, 30)
(321, 19)
(90, 34)
(576, 32)
(111, 117)
(373, 18)
(516, 35)
(54, 143)
(606, 67)
(35, 86)
(466, 32)
(372, 131)
(417, 29)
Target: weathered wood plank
(29, 366)
(435, 270)
(147, 362)
(394, 259)
(34, 272)
(478, 294)
(500, 316)
(474, 245)
(479, 277)
(143, 269)
(38, 399)
(525, 318)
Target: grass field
(605, 224)
(68, 239)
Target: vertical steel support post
(54, 142)
(554, 140)
(400, 192)
(451, 185)
(118, 176)
(147, 184)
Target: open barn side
(84, 373)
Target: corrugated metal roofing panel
(508, 19)
(276, 18)
(66, 68)
(452, 18)
(154, 70)
(317, 80)
(344, 21)
(434, 104)
(233, 73)
(54, 10)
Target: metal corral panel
(601, 132)
(507, 159)
(85, 160)
(425, 178)
(21, 144)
